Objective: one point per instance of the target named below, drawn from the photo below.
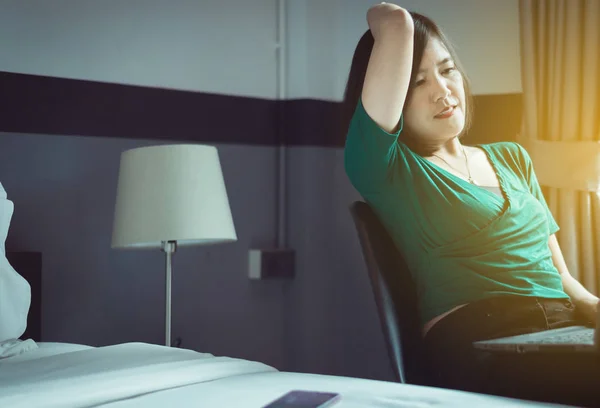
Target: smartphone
(305, 399)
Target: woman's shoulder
(511, 151)
(509, 147)
(511, 155)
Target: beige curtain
(560, 57)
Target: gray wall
(228, 46)
(324, 321)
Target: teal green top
(462, 243)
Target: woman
(471, 221)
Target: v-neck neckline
(499, 175)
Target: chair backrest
(395, 295)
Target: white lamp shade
(171, 193)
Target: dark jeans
(567, 378)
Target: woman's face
(437, 86)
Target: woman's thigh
(455, 363)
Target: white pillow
(15, 292)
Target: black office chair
(395, 295)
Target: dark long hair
(425, 29)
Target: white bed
(145, 375)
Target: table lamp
(170, 196)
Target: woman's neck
(452, 149)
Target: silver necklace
(466, 160)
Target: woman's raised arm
(390, 64)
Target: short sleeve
(535, 188)
(369, 151)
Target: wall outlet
(271, 263)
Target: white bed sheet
(96, 376)
(150, 376)
(44, 350)
(257, 390)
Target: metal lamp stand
(169, 248)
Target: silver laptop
(574, 338)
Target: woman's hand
(385, 16)
(589, 310)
